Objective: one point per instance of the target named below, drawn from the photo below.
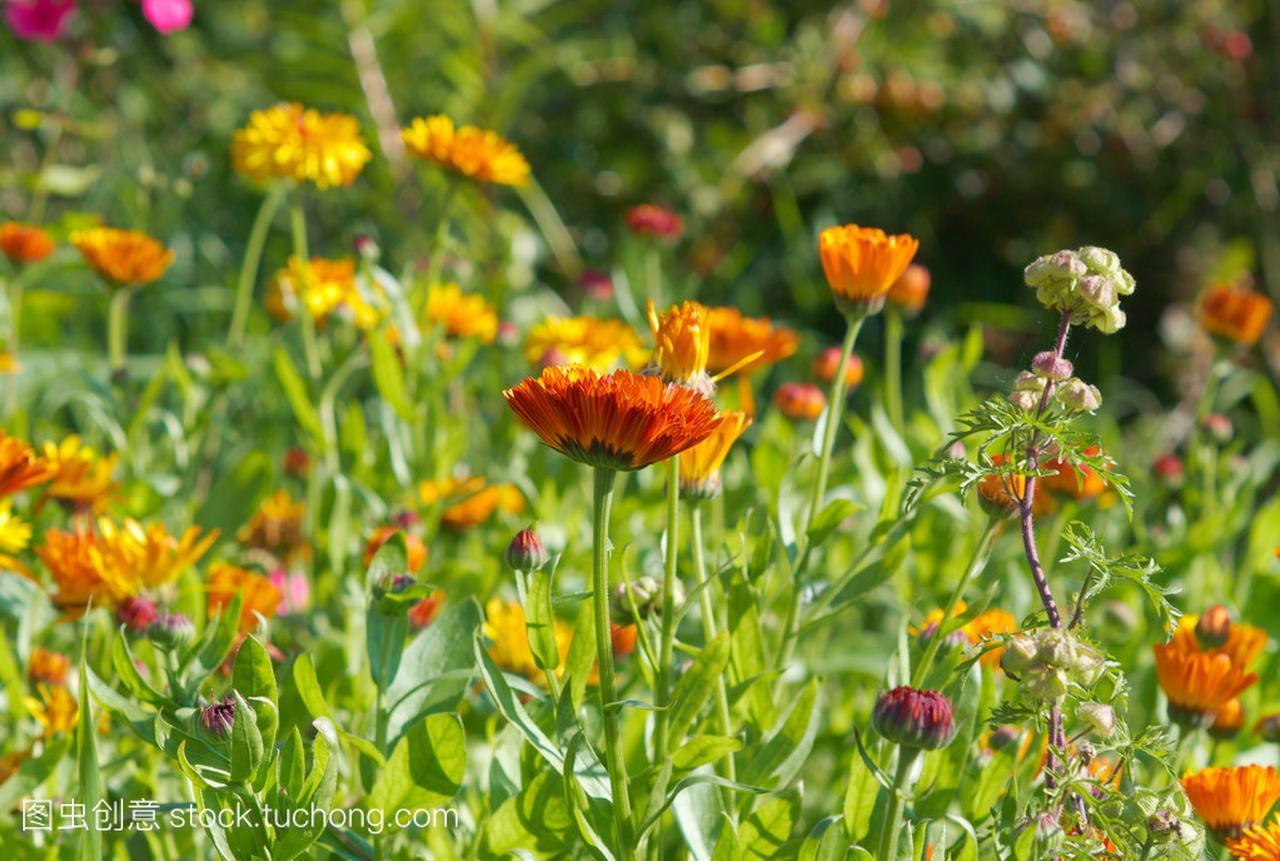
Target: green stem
(892, 830)
(602, 503)
(893, 368)
(118, 330)
(662, 694)
(709, 631)
(976, 563)
(653, 273)
(835, 412)
(298, 221)
(249, 267)
(14, 290)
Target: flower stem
(298, 221)
(976, 563)
(835, 411)
(249, 266)
(118, 331)
(13, 288)
(888, 849)
(893, 367)
(709, 630)
(602, 503)
(662, 694)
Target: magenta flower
(38, 20)
(168, 15)
(295, 591)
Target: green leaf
(425, 768)
(763, 833)
(541, 621)
(388, 375)
(219, 638)
(246, 741)
(992, 782)
(537, 820)
(235, 494)
(87, 761)
(786, 749)
(704, 750)
(860, 796)
(252, 674)
(308, 685)
(582, 654)
(295, 391)
(825, 842)
(436, 667)
(127, 671)
(829, 519)
(696, 686)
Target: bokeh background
(994, 131)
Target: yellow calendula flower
(478, 154)
(15, 533)
(862, 263)
(124, 258)
(504, 627)
(56, 710)
(288, 141)
(81, 479)
(682, 344)
(136, 557)
(700, 465)
(1257, 843)
(20, 468)
(259, 597)
(587, 341)
(461, 315)
(324, 288)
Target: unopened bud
(526, 552)
(1213, 629)
(218, 718)
(914, 718)
(1100, 718)
(171, 630)
(1026, 401)
(136, 613)
(646, 592)
(1051, 366)
(1268, 727)
(1078, 396)
(1219, 427)
(1164, 826)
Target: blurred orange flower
(478, 154)
(81, 479)
(20, 468)
(125, 258)
(800, 401)
(24, 243)
(1235, 313)
(259, 597)
(861, 263)
(1230, 800)
(461, 315)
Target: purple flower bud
(1049, 366)
(171, 630)
(526, 552)
(217, 718)
(914, 718)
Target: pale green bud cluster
(1046, 663)
(1088, 282)
(1077, 396)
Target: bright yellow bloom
(586, 341)
(682, 344)
(620, 421)
(700, 465)
(861, 263)
(431, 492)
(19, 466)
(48, 666)
(1230, 800)
(56, 710)
(73, 561)
(258, 595)
(504, 626)
(326, 287)
(24, 243)
(15, 533)
(1257, 843)
(291, 142)
(480, 154)
(82, 479)
(461, 315)
(134, 558)
(735, 338)
(125, 258)
(9, 363)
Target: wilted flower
(219, 717)
(526, 552)
(47, 666)
(1087, 282)
(648, 219)
(1231, 800)
(587, 341)
(700, 465)
(288, 141)
(461, 315)
(1235, 313)
(124, 258)
(861, 264)
(827, 365)
(24, 243)
(911, 290)
(478, 154)
(914, 718)
(800, 401)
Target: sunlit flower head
(20, 468)
(24, 243)
(1257, 843)
(986, 625)
(1077, 482)
(861, 264)
(1198, 684)
(682, 344)
(700, 465)
(504, 627)
(1241, 643)
(48, 666)
(326, 287)
(648, 219)
(82, 480)
(15, 533)
(461, 315)
(619, 421)
(74, 561)
(288, 141)
(587, 341)
(1230, 800)
(911, 290)
(276, 526)
(827, 365)
(258, 596)
(479, 154)
(803, 402)
(1235, 313)
(999, 493)
(56, 710)
(135, 558)
(735, 338)
(125, 258)
(416, 555)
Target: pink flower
(294, 588)
(168, 15)
(38, 20)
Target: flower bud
(1019, 653)
(1228, 720)
(136, 613)
(1100, 718)
(1005, 737)
(1219, 427)
(526, 552)
(800, 401)
(647, 594)
(914, 718)
(1051, 367)
(218, 718)
(1026, 401)
(171, 630)
(1213, 629)
(1169, 469)
(1026, 381)
(1268, 727)
(365, 246)
(1078, 396)
(1164, 826)
(1088, 665)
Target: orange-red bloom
(24, 243)
(999, 493)
(911, 290)
(861, 263)
(19, 466)
(1235, 313)
(1257, 843)
(1082, 482)
(1230, 800)
(800, 401)
(125, 258)
(827, 365)
(1198, 684)
(619, 421)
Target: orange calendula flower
(827, 365)
(73, 560)
(259, 597)
(911, 290)
(986, 624)
(1235, 313)
(1231, 800)
(56, 710)
(623, 639)
(800, 401)
(125, 258)
(735, 338)
(134, 558)
(461, 315)
(48, 666)
(586, 341)
(1257, 843)
(81, 480)
(324, 288)
(479, 154)
(480, 506)
(24, 243)
(700, 465)
(682, 344)
(1228, 720)
(504, 626)
(1198, 684)
(276, 526)
(1214, 633)
(861, 264)
(417, 551)
(620, 421)
(288, 141)
(424, 612)
(20, 468)
(999, 493)
(1078, 482)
